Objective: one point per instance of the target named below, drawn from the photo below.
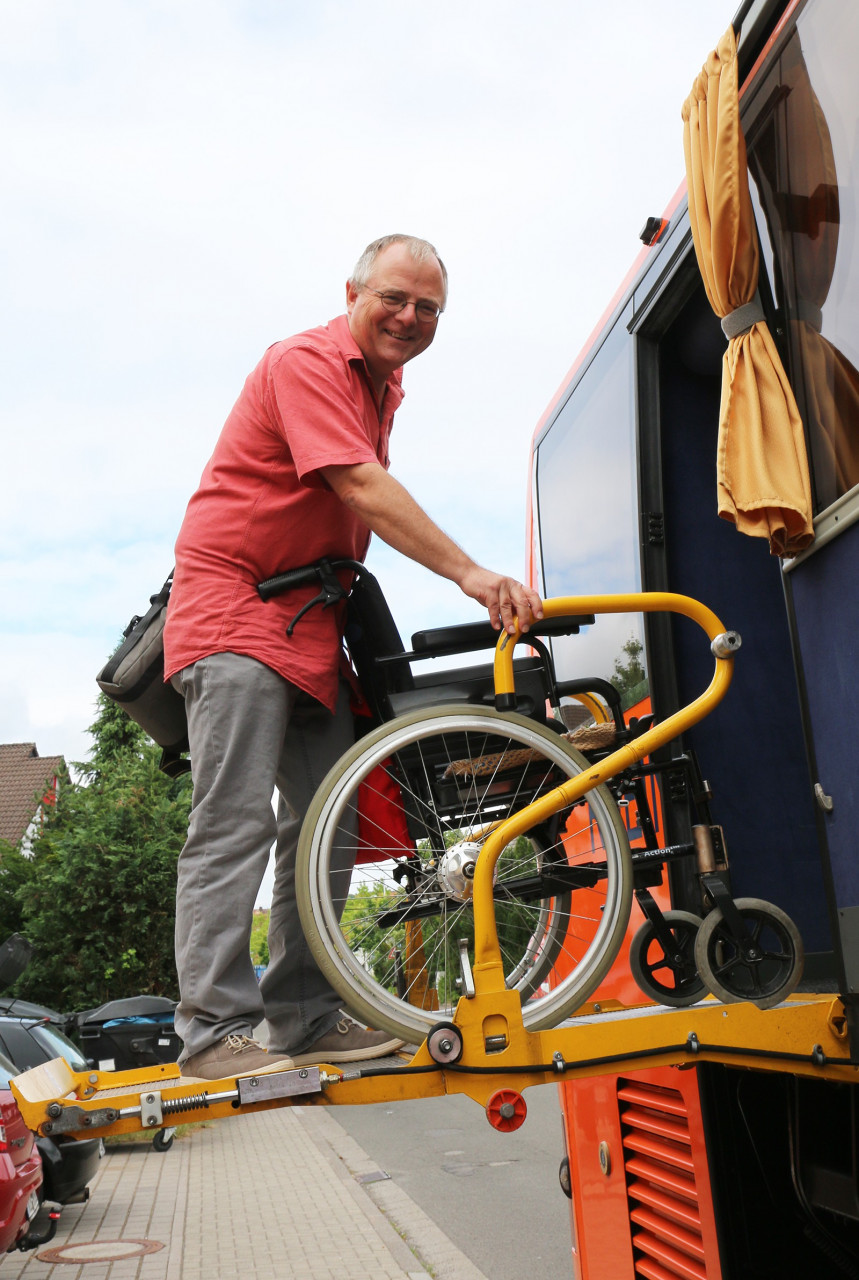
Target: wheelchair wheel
(676, 984)
(767, 979)
(386, 929)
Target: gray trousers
(250, 732)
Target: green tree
(15, 873)
(259, 937)
(98, 902)
(630, 677)
(375, 945)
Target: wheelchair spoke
(388, 935)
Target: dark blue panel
(752, 749)
(826, 601)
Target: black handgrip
(284, 581)
(300, 577)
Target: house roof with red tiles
(26, 778)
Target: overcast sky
(185, 182)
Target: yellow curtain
(763, 483)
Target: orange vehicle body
(619, 986)
(640, 1195)
(641, 1199)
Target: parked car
(122, 1035)
(69, 1164)
(24, 1009)
(20, 1172)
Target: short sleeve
(325, 411)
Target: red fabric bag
(382, 830)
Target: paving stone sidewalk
(281, 1195)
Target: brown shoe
(234, 1056)
(347, 1042)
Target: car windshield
(57, 1045)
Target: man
(299, 472)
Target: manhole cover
(100, 1251)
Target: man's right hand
(507, 600)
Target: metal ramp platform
(495, 1061)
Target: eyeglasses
(394, 302)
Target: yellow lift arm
(804, 1036)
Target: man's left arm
(391, 512)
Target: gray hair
(420, 251)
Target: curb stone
(439, 1254)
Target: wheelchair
(465, 881)
(393, 925)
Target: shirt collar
(342, 335)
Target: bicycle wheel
(386, 929)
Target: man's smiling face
(387, 340)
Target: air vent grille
(663, 1200)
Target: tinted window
(19, 1046)
(57, 1045)
(588, 508)
(29, 1045)
(801, 131)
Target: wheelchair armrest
(467, 636)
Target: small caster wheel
(671, 980)
(444, 1044)
(163, 1140)
(767, 976)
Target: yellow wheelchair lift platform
(485, 1051)
(807, 1035)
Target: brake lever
(332, 591)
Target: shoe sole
(285, 1064)
(347, 1055)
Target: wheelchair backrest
(384, 667)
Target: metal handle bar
(488, 966)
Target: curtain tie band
(740, 321)
(810, 313)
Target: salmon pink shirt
(263, 506)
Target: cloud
(187, 183)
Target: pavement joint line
(319, 1131)
(181, 1152)
(189, 1200)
